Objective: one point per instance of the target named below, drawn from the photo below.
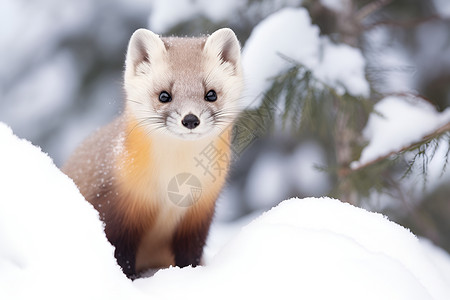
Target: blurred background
(61, 78)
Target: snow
(52, 242)
(399, 121)
(311, 248)
(261, 58)
(342, 67)
(53, 245)
(438, 257)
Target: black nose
(190, 121)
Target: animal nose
(190, 121)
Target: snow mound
(398, 122)
(340, 66)
(311, 249)
(52, 244)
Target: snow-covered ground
(52, 245)
(51, 240)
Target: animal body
(155, 172)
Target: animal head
(185, 87)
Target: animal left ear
(144, 47)
(224, 44)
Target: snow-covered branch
(425, 139)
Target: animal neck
(150, 160)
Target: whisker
(148, 122)
(135, 101)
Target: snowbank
(312, 249)
(53, 245)
(398, 122)
(289, 32)
(52, 242)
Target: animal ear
(224, 44)
(144, 47)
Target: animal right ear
(224, 44)
(144, 48)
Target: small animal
(155, 172)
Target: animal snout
(190, 121)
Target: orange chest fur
(149, 163)
(168, 182)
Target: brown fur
(124, 169)
(127, 206)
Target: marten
(155, 172)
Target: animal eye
(211, 96)
(165, 97)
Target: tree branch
(441, 130)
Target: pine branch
(427, 138)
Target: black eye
(211, 96)
(165, 97)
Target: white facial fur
(186, 68)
